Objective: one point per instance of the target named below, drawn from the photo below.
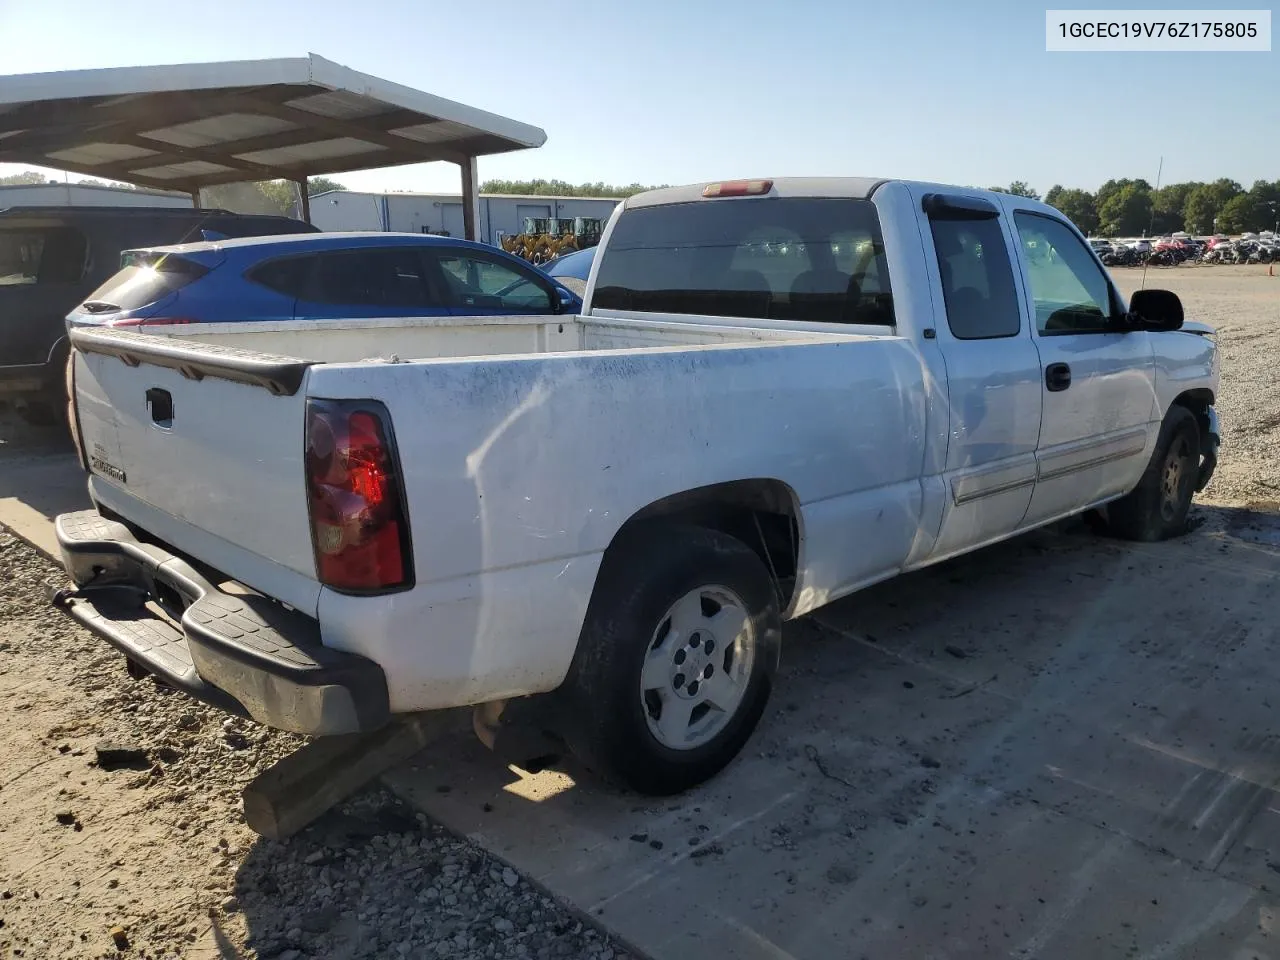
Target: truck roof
(854, 188)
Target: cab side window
(1070, 290)
(977, 278)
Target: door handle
(160, 403)
(1057, 376)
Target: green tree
(1169, 207)
(1111, 187)
(1200, 209)
(562, 188)
(1206, 202)
(276, 197)
(1078, 206)
(1019, 188)
(1266, 198)
(26, 176)
(115, 184)
(318, 185)
(1127, 210)
(1238, 214)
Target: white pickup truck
(778, 392)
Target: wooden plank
(301, 787)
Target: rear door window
(818, 260)
(977, 278)
(288, 275)
(45, 255)
(389, 278)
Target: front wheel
(676, 658)
(1157, 508)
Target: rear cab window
(806, 259)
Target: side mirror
(1156, 310)
(557, 300)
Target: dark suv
(51, 258)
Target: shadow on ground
(39, 470)
(1060, 746)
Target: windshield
(576, 265)
(796, 258)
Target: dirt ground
(1243, 303)
(159, 849)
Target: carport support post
(470, 199)
(195, 198)
(306, 200)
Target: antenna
(1152, 224)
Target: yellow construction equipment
(545, 238)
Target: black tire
(642, 578)
(1157, 508)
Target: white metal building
(500, 213)
(85, 195)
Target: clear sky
(683, 90)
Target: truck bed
(190, 430)
(429, 338)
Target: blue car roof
(302, 242)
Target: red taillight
(737, 188)
(359, 528)
(148, 321)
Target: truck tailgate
(202, 446)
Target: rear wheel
(676, 658)
(1157, 508)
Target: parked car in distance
(784, 391)
(320, 276)
(51, 258)
(572, 269)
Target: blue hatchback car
(320, 276)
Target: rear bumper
(242, 653)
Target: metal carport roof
(188, 126)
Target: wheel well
(762, 513)
(1198, 402)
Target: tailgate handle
(160, 403)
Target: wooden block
(301, 787)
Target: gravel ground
(157, 851)
(1243, 303)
